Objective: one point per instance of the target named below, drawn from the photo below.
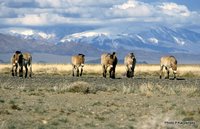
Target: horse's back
(168, 61)
(78, 59)
(105, 58)
(27, 58)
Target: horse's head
(16, 57)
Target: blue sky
(98, 12)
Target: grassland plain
(54, 99)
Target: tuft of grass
(99, 117)
(90, 124)
(76, 87)
(39, 110)
(79, 86)
(15, 107)
(2, 101)
(63, 120)
(97, 103)
(12, 102)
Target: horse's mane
(81, 54)
(18, 52)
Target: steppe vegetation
(52, 98)
(146, 70)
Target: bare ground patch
(57, 101)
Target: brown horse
(77, 63)
(22, 60)
(130, 62)
(109, 61)
(168, 62)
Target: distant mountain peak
(87, 34)
(22, 31)
(26, 33)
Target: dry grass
(96, 69)
(189, 70)
(94, 102)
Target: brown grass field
(95, 69)
(53, 99)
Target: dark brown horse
(21, 60)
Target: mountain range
(147, 44)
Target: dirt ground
(55, 102)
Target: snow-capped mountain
(85, 35)
(30, 34)
(161, 39)
(152, 39)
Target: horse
(109, 61)
(21, 60)
(130, 62)
(168, 62)
(77, 63)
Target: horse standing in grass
(21, 60)
(109, 61)
(168, 62)
(130, 62)
(77, 64)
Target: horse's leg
(161, 71)
(73, 68)
(21, 71)
(132, 70)
(81, 71)
(127, 71)
(131, 73)
(167, 69)
(77, 71)
(16, 68)
(30, 70)
(174, 72)
(13, 70)
(26, 67)
(113, 71)
(104, 69)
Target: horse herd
(108, 62)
